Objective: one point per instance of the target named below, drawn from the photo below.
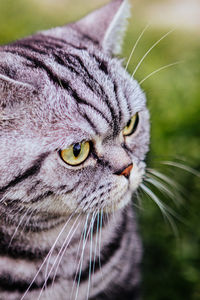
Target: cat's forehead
(95, 91)
(81, 92)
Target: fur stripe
(39, 222)
(51, 38)
(58, 81)
(95, 88)
(42, 197)
(33, 170)
(62, 62)
(46, 43)
(116, 119)
(40, 41)
(118, 102)
(90, 123)
(76, 59)
(44, 226)
(73, 93)
(8, 71)
(63, 42)
(76, 63)
(66, 85)
(85, 36)
(32, 48)
(18, 251)
(104, 67)
(7, 283)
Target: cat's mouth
(123, 196)
(122, 191)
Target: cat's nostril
(126, 172)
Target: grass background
(171, 265)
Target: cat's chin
(119, 203)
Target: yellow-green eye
(131, 126)
(76, 154)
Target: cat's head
(74, 127)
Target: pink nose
(126, 172)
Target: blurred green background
(171, 265)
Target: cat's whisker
(107, 214)
(18, 211)
(154, 197)
(47, 274)
(136, 197)
(96, 240)
(28, 219)
(16, 229)
(182, 166)
(91, 246)
(64, 248)
(113, 211)
(158, 70)
(66, 240)
(82, 253)
(165, 178)
(150, 49)
(139, 205)
(48, 254)
(21, 221)
(135, 45)
(76, 261)
(100, 234)
(167, 186)
(105, 219)
(161, 187)
(165, 209)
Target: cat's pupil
(128, 124)
(76, 149)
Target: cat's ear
(14, 91)
(106, 26)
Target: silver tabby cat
(74, 132)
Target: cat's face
(79, 119)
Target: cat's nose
(126, 172)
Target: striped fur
(70, 232)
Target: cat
(74, 133)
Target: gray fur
(57, 88)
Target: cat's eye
(131, 126)
(76, 154)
